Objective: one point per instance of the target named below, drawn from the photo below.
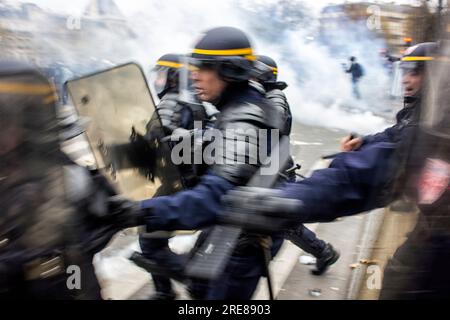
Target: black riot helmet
(27, 110)
(227, 50)
(415, 60)
(165, 74)
(266, 73)
(267, 69)
(416, 57)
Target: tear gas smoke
(319, 90)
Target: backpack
(359, 71)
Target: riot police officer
(418, 268)
(374, 175)
(412, 66)
(50, 207)
(173, 114)
(301, 236)
(225, 60)
(268, 77)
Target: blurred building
(105, 14)
(396, 24)
(16, 30)
(31, 33)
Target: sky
(129, 7)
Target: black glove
(137, 153)
(259, 210)
(105, 215)
(125, 213)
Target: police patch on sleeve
(433, 181)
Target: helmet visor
(186, 83)
(412, 66)
(159, 78)
(235, 68)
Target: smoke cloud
(319, 90)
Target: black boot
(328, 256)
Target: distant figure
(388, 61)
(391, 66)
(357, 72)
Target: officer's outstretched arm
(187, 210)
(385, 136)
(355, 182)
(137, 153)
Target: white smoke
(319, 91)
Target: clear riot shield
(119, 107)
(186, 87)
(397, 86)
(435, 115)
